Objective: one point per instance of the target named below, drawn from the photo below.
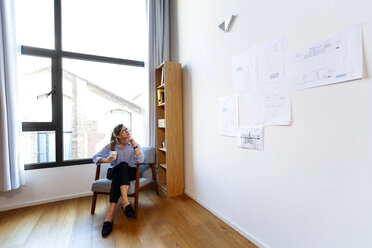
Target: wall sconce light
(226, 25)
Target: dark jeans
(120, 174)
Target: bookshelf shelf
(163, 165)
(170, 160)
(161, 65)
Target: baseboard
(38, 202)
(227, 221)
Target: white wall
(311, 186)
(48, 185)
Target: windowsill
(55, 164)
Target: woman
(121, 172)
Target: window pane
(38, 147)
(35, 23)
(97, 97)
(116, 28)
(35, 83)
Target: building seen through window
(79, 79)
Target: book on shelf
(161, 96)
(162, 76)
(161, 122)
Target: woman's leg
(110, 212)
(115, 175)
(129, 175)
(120, 176)
(124, 194)
(112, 174)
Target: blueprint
(260, 66)
(228, 115)
(250, 137)
(265, 107)
(244, 72)
(277, 107)
(337, 58)
(271, 62)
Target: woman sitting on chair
(121, 172)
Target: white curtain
(11, 168)
(159, 42)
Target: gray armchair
(145, 178)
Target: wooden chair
(143, 179)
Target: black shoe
(129, 211)
(107, 228)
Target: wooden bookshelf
(170, 159)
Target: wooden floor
(161, 222)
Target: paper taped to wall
(271, 62)
(337, 58)
(250, 137)
(265, 108)
(260, 67)
(244, 72)
(228, 115)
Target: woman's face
(124, 133)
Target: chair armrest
(144, 163)
(98, 170)
(152, 170)
(144, 167)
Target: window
(79, 76)
(46, 147)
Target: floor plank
(160, 223)
(82, 231)
(15, 220)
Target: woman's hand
(110, 159)
(131, 140)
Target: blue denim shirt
(126, 154)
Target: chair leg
(94, 199)
(154, 178)
(136, 200)
(136, 190)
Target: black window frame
(56, 56)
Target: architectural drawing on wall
(335, 59)
(250, 137)
(228, 115)
(264, 76)
(244, 71)
(271, 61)
(260, 67)
(277, 110)
(268, 107)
